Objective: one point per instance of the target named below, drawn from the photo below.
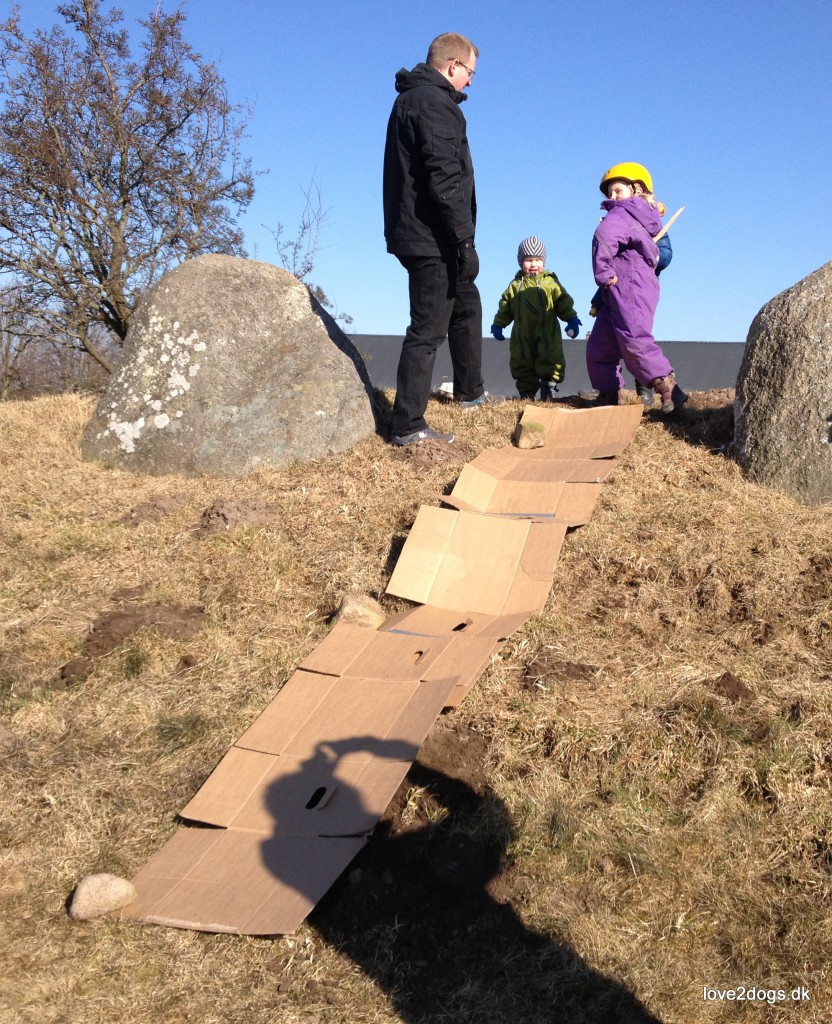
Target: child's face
(532, 265)
(620, 190)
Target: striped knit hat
(531, 246)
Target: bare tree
(298, 254)
(113, 167)
(15, 337)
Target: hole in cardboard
(458, 628)
(318, 798)
(419, 656)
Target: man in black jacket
(430, 213)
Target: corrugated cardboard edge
(508, 463)
(541, 498)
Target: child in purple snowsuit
(624, 258)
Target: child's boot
(604, 398)
(548, 390)
(645, 394)
(671, 395)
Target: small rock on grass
(96, 895)
(8, 741)
(360, 610)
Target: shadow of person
(318, 813)
(417, 913)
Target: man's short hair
(449, 46)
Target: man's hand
(467, 262)
(497, 333)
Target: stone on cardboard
(783, 405)
(96, 895)
(230, 366)
(360, 610)
(529, 435)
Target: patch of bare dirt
(225, 515)
(451, 749)
(111, 629)
(157, 507)
(545, 673)
(732, 687)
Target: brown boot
(671, 395)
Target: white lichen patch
(176, 380)
(151, 387)
(127, 433)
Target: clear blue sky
(727, 103)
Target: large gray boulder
(783, 406)
(230, 366)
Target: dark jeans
(439, 306)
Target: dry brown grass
(670, 828)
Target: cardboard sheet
(489, 632)
(425, 620)
(248, 883)
(475, 563)
(296, 795)
(530, 493)
(586, 433)
(360, 719)
(323, 796)
(352, 651)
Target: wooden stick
(666, 228)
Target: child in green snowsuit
(535, 301)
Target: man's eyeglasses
(470, 72)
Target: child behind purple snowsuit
(623, 247)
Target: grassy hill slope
(632, 807)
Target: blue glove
(665, 253)
(497, 332)
(573, 326)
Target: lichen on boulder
(230, 366)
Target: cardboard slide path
(299, 793)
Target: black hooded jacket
(430, 204)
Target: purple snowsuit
(623, 247)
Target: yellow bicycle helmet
(631, 173)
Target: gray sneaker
(425, 434)
(486, 398)
(645, 394)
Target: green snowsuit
(535, 303)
